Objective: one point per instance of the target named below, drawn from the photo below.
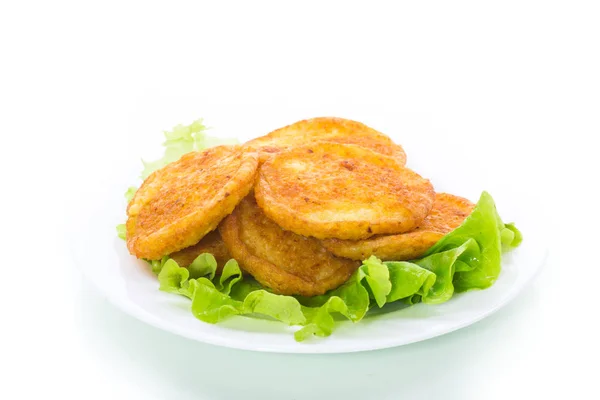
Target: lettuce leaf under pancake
(467, 258)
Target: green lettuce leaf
(485, 227)
(211, 305)
(157, 265)
(444, 265)
(211, 302)
(204, 265)
(320, 321)
(230, 275)
(121, 231)
(173, 279)
(511, 241)
(409, 280)
(467, 258)
(130, 193)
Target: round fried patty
(330, 190)
(447, 214)
(281, 260)
(179, 204)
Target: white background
(517, 81)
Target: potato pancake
(211, 243)
(447, 214)
(281, 260)
(331, 190)
(328, 129)
(179, 204)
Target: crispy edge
(287, 137)
(267, 273)
(290, 218)
(447, 214)
(190, 229)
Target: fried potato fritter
(328, 129)
(179, 204)
(330, 190)
(447, 214)
(211, 243)
(287, 263)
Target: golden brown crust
(287, 263)
(179, 204)
(330, 190)
(328, 129)
(447, 214)
(211, 243)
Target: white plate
(129, 284)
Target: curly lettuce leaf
(320, 321)
(473, 248)
(230, 275)
(211, 301)
(512, 240)
(173, 279)
(444, 266)
(383, 282)
(211, 305)
(204, 265)
(467, 258)
(409, 280)
(485, 227)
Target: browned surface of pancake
(211, 243)
(329, 129)
(179, 204)
(330, 190)
(447, 214)
(287, 263)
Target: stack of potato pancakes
(298, 208)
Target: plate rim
(140, 314)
